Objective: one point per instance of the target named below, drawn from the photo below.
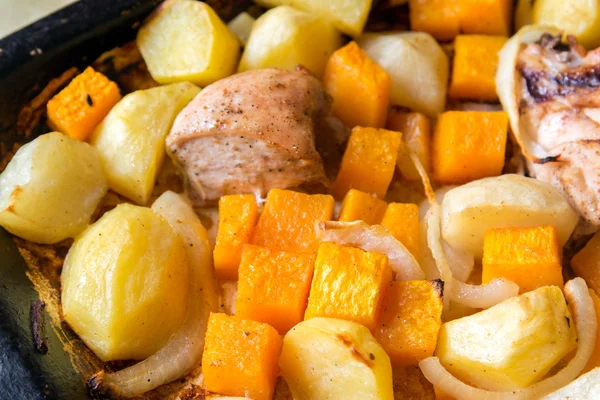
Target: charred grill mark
(543, 87)
(38, 326)
(548, 159)
(347, 341)
(438, 286)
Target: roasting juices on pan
(298, 205)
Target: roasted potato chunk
(185, 40)
(131, 139)
(50, 189)
(301, 38)
(125, 284)
(325, 358)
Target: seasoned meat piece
(249, 133)
(558, 94)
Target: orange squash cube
(237, 217)
(486, 17)
(240, 357)
(83, 104)
(348, 283)
(416, 135)
(360, 88)
(288, 220)
(530, 257)
(273, 286)
(586, 263)
(361, 206)
(410, 384)
(369, 162)
(440, 18)
(410, 319)
(474, 67)
(469, 145)
(402, 221)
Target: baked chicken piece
(249, 133)
(554, 106)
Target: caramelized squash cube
(486, 17)
(369, 162)
(288, 220)
(273, 286)
(530, 257)
(410, 320)
(83, 104)
(440, 18)
(416, 136)
(469, 145)
(360, 88)
(474, 67)
(240, 357)
(237, 217)
(586, 263)
(348, 283)
(402, 221)
(361, 206)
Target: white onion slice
(484, 296)
(577, 294)
(183, 351)
(506, 85)
(372, 238)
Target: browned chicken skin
(559, 108)
(249, 133)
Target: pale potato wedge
(417, 66)
(125, 285)
(326, 358)
(185, 40)
(50, 189)
(511, 345)
(348, 16)
(284, 37)
(131, 139)
(499, 202)
(580, 18)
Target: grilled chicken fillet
(558, 89)
(249, 133)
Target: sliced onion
(577, 294)
(372, 238)
(484, 296)
(183, 352)
(506, 85)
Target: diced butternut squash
(83, 104)
(348, 283)
(369, 162)
(416, 135)
(486, 17)
(594, 360)
(440, 18)
(469, 145)
(410, 319)
(237, 217)
(474, 67)
(240, 357)
(495, 349)
(411, 384)
(530, 257)
(361, 206)
(586, 263)
(273, 286)
(360, 88)
(288, 220)
(402, 221)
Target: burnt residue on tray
(38, 326)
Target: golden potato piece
(131, 139)
(50, 189)
(326, 358)
(284, 37)
(185, 40)
(125, 284)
